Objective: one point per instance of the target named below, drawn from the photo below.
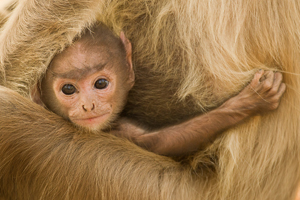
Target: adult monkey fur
(189, 56)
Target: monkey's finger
(275, 100)
(267, 84)
(262, 78)
(257, 76)
(281, 90)
(266, 75)
(269, 75)
(277, 82)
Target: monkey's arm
(196, 133)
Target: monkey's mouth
(91, 121)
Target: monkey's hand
(261, 95)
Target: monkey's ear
(128, 49)
(35, 95)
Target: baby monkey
(88, 84)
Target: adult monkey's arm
(45, 157)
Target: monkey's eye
(68, 89)
(101, 83)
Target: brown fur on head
(189, 56)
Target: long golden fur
(189, 57)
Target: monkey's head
(89, 81)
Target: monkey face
(89, 102)
(86, 86)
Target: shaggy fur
(189, 57)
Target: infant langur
(88, 83)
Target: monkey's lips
(92, 121)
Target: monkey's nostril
(88, 108)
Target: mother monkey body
(187, 59)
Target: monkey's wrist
(237, 109)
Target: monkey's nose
(88, 108)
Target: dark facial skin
(88, 85)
